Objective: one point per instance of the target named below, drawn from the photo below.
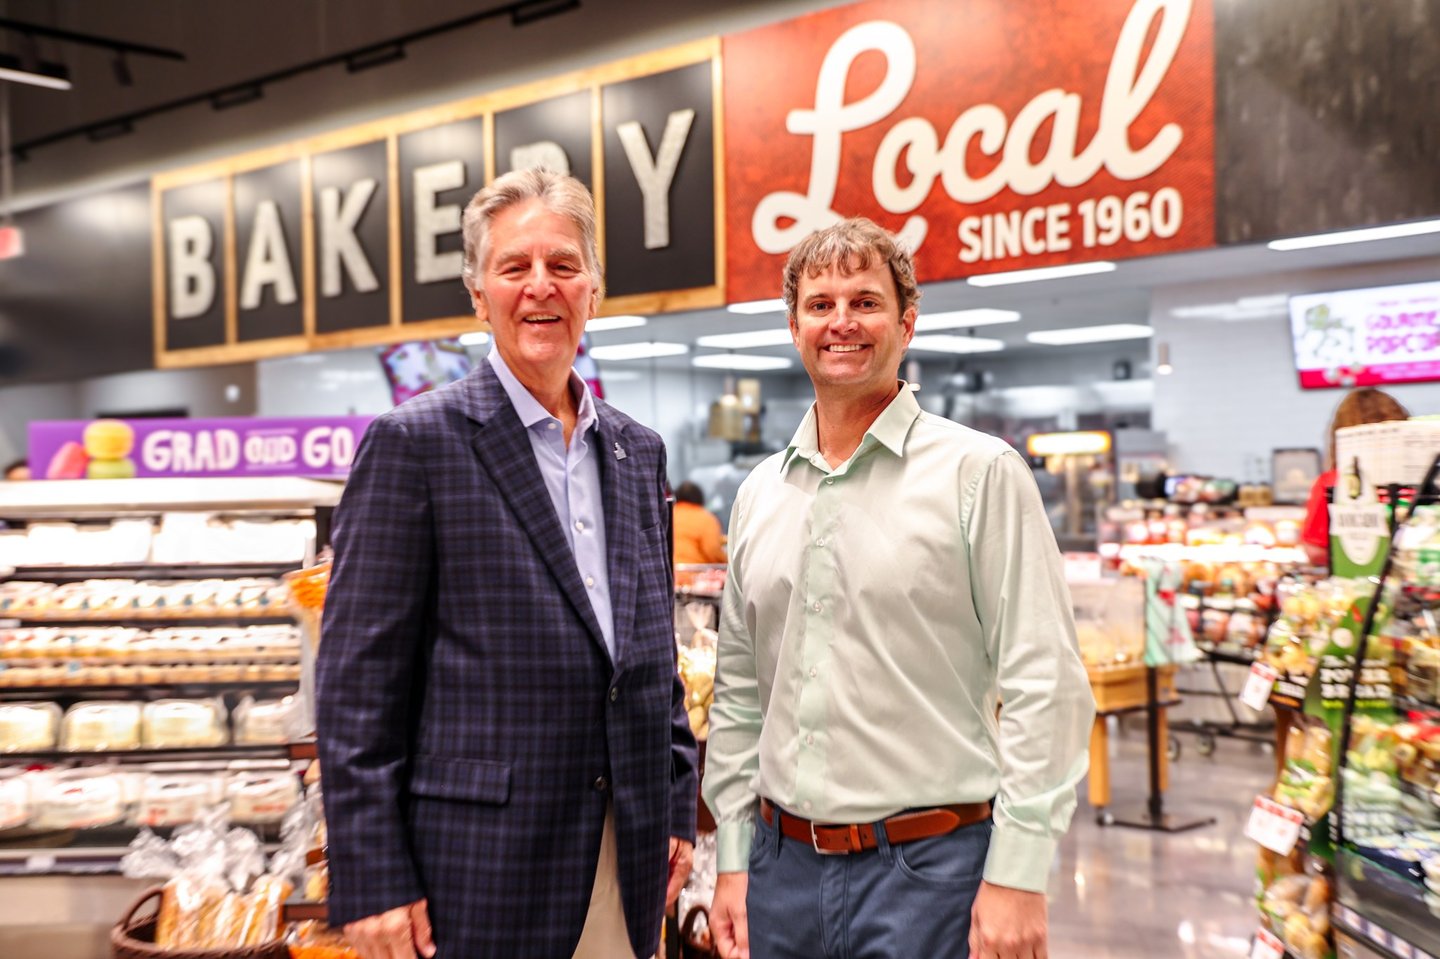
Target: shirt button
(829, 482)
(553, 425)
(580, 525)
(614, 693)
(820, 541)
(810, 740)
(816, 607)
(589, 580)
(814, 672)
(601, 784)
(807, 804)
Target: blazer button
(601, 784)
(614, 693)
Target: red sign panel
(991, 135)
(12, 242)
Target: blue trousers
(908, 900)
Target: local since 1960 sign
(990, 135)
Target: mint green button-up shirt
(875, 614)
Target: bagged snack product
(100, 727)
(1305, 783)
(28, 727)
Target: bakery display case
(149, 661)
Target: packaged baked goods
(263, 721)
(184, 723)
(100, 727)
(82, 799)
(315, 940)
(262, 796)
(15, 800)
(28, 727)
(174, 799)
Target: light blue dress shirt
(573, 478)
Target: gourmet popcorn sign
(1388, 334)
(991, 136)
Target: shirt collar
(529, 409)
(889, 429)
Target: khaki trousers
(604, 935)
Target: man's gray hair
(561, 193)
(851, 246)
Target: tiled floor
(1121, 893)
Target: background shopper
(698, 537)
(1358, 408)
(506, 750)
(892, 575)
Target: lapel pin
(619, 452)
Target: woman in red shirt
(1366, 405)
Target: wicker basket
(134, 938)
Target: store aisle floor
(1120, 893)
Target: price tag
(1274, 826)
(1266, 946)
(1258, 685)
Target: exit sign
(12, 243)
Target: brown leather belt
(837, 839)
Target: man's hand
(1007, 924)
(682, 855)
(400, 933)
(729, 923)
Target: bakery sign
(229, 446)
(353, 237)
(992, 136)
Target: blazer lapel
(622, 485)
(504, 450)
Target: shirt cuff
(732, 845)
(1019, 859)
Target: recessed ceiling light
(758, 306)
(602, 323)
(950, 343)
(748, 340)
(963, 319)
(1091, 334)
(474, 339)
(1245, 308)
(1042, 273)
(638, 351)
(1391, 232)
(740, 361)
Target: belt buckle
(815, 843)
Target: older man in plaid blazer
(508, 767)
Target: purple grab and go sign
(120, 449)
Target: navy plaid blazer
(472, 726)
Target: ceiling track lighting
(372, 57)
(1162, 360)
(237, 96)
(108, 131)
(121, 66)
(39, 73)
(520, 12)
(535, 10)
